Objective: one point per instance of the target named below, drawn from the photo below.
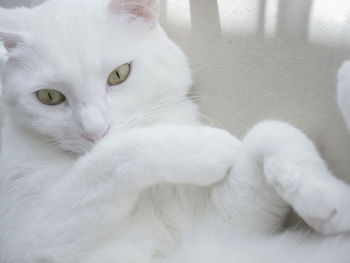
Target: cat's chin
(77, 148)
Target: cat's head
(76, 68)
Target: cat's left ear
(146, 10)
(11, 23)
(11, 40)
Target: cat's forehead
(89, 42)
(88, 37)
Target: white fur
(159, 185)
(229, 247)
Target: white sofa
(265, 59)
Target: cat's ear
(146, 10)
(11, 40)
(11, 23)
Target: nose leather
(95, 136)
(93, 123)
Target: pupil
(116, 72)
(50, 97)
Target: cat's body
(157, 182)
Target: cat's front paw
(212, 154)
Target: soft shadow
(294, 20)
(14, 3)
(205, 14)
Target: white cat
(104, 158)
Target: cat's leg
(95, 197)
(278, 158)
(129, 163)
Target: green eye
(50, 96)
(119, 75)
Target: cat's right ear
(11, 24)
(144, 10)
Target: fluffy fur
(154, 184)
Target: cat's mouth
(77, 146)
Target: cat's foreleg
(129, 163)
(96, 196)
(283, 158)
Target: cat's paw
(320, 199)
(330, 212)
(211, 154)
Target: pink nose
(93, 123)
(97, 134)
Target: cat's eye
(50, 96)
(119, 75)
